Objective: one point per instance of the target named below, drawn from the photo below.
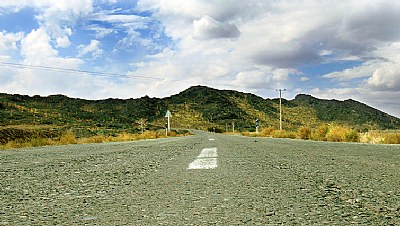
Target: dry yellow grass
(70, 138)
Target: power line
(69, 70)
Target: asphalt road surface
(205, 179)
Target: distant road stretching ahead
(205, 179)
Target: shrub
(38, 142)
(304, 133)
(148, 135)
(267, 131)
(372, 138)
(97, 139)
(352, 136)
(392, 138)
(336, 134)
(283, 134)
(249, 134)
(124, 137)
(215, 130)
(13, 144)
(170, 134)
(320, 133)
(68, 138)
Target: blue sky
(329, 49)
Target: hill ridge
(198, 107)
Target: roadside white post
(257, 125)
(168, 115)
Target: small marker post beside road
(257, 125)
(168, 115)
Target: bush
(13, 144)
(392, 138)
(283, 134)
(38, 142)
(320, 133)
(97, 139)
(304, 133)
(148, 135)
(352, 136)
(215, 130)
(249, 134)
(68, 138)
(267, 131)
(124, 137)
(336, 134)
(372, 138)
(171, 134)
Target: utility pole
(280, 107)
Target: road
(205, 179)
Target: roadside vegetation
(332, 133)
(38, 121)
(26, 138)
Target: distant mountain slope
(197, 107)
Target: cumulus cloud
(263, 78)
(94, 49)
(37, 50)
(248, 45)
(209, 28)
(36, 45)
(9, 40)
(386, 78)
(365, 70)
(55, 17)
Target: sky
(97, 49)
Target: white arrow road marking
(206, 160)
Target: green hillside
(198, 107)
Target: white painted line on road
(211, 139)
(208, 153)
(207, 159)
(208, 163)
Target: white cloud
(304, 78)
(363, 71)
(63, 42)
(8, 41)
(36, 50)
(120, 18)
(247, 45)
(101, 32)
(386, 78)
(209, 28)
(94, 48)
(36, 46)
(55, 17)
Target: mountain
(198, 107)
